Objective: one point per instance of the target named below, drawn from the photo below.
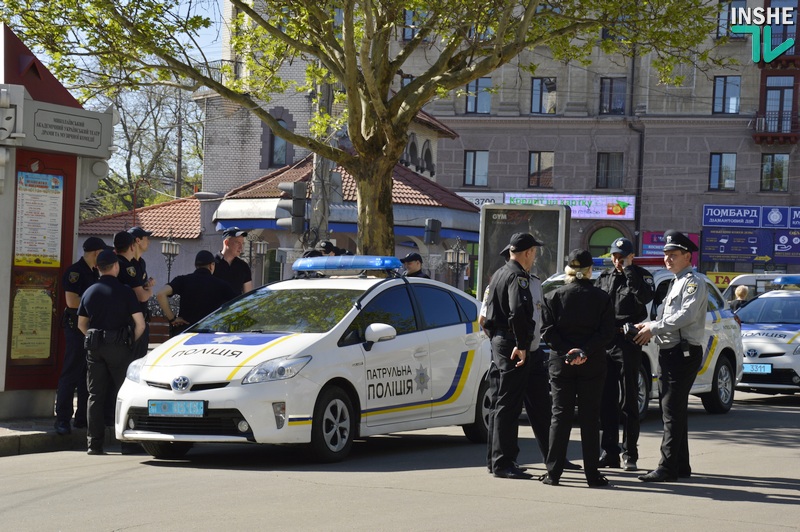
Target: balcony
(789, 58)
(776, 127)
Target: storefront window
(600, 241)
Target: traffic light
(294, 201)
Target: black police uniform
(509, 321)
(132, 273)
(109, 305)
(419, 273)
(237, 273)
(630, 290)
(201, 294)
(77, 279)
(577, 315)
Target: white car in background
(771, 338)
(315, 360)
(721, 368)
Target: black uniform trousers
(73, 377)
(107, 365)
(510, 382)
(571, 385)
(624, 360)
(675, 382)
(537, 402)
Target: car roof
(779, 293)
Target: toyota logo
(181, 383)
(751, 353)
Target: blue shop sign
(731, 216)
(775, 217)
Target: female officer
(578, 324)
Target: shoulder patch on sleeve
(523, 282)
(131, 271)
(74, 277)
(691, 287)
(649, 280)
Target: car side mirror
(378, 332)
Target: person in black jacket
(631, 289)
(578, 324)
(509, 323)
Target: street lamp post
(457, 259)
(170, 249)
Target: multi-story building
(712, 155)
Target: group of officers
(106, 319)
(595, 331)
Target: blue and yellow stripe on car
(708, 356)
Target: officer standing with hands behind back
(509, 322)
(631, 289)
(679, 335)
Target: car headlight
(276, 369)
(134, 372)
(796, 350)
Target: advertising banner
(582, 206)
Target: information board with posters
(549, 224)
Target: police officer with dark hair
(679, 334)
(111, 318)
(77, 279)
(201, 294)
(578, 324)
(229, 267)
(131, 273)
(509, 322)
(631, 289)
(413, 265)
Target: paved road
(747, 477)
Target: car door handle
(471, 342)
(419, 353)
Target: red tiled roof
(179, 218)
(409, 187)
(430, 121)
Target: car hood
(223, 355)
(780, 333)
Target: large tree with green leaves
(357, 44)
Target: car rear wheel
(333, 426)
(478, 431)
(166, 450)
(720, 399)
(644, 391)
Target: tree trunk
(375, 214)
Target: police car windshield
(295, 311)
(771, 310)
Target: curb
(16, 442)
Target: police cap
(579, 258)
(521, 241)
(676, 240)
(506, 252)
(232, 232)
(327, 247)
(94, 243)
(623, 246)
(138, 232)
(411, 256)
(203, 258)
(311, 253)
(123, 240)
(106, 258)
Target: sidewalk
(38, 435)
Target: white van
(757, 284)
(722, 366)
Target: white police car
(721, 368)
(314, 360)
(771, 338)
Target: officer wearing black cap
(201, 294)
(679, 334)
(141, 243)
(77, 279)
(510, 325)
(578, 325)
(132, 274)
(631, 289)
(111, 318)
(228, 266)
(413, 265)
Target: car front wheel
(644, 382)
(478, 431)
(720, 399)
(333, 426)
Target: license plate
(762, 369)
(176, 408)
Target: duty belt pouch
(689, 349)
(92, 339)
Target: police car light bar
(346, 262)
(786, 279)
